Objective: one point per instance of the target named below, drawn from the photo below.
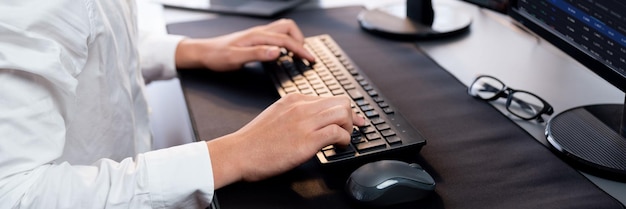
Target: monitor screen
(591, 31)
(591, 137)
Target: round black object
(589, 138)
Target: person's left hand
(232, 51)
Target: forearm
(177, 177)
(225, 161)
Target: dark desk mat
(478, 157)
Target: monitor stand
(417, 20)
(592, 138)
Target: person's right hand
(285, 135)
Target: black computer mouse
(389, 182)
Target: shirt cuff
(158, 56)
(180, 176)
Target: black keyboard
(386, 134)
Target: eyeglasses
(522, 104)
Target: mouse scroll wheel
(415, 165)
(386, 184)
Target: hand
(230, 52)
(285, 135)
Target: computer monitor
(594, 33)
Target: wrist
(188, 54)
(225, 161)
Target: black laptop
(260, 8)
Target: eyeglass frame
(506, 92)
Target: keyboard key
(298, 78)
(352, 70)
(318, 86)
(337, 153)
(371, 145)
(357, 139)
(349, 86)
(308, 92)
(303, 86)
(372, 136)
(394, 139)
(325, 94)
(334, 87)
(388, 133)
(383, 126)
(366, 107)
(327, 78)
(332, 83)
(310, 73)
(368, 129)
(321, 91)
(337, 92)
(355, 94)
(377, 121)
(361, 102)
(371, 113)
(355, 132)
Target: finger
(358, 120)
(287, 26)
(331, 134)
(323, 111)
(281, 40)
(332, 110)
(335, 115)
(242, 55)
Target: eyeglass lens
(486, 88)
(524, 105)
(519, 103)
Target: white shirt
(73, 112)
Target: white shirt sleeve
(156, 64)
(176, 173)
(177, 177)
